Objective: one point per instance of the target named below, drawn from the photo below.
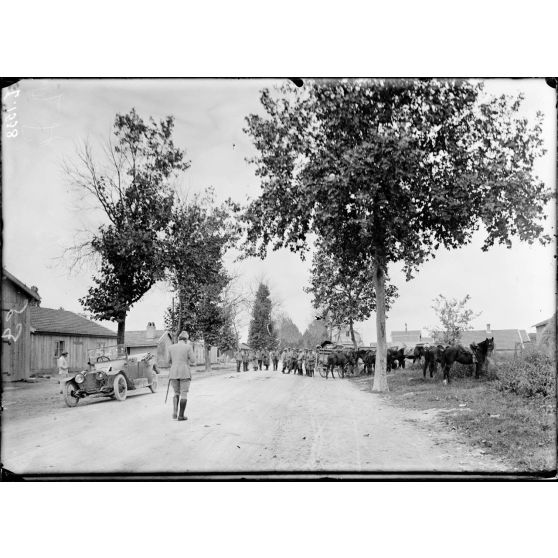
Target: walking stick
(168, 386)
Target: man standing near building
(265, 354)
(238, 358)
(181, 357)
(62, 370)
(259, 357)
(245, 360)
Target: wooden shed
(17, 298)
(54, 331)
(156, 341)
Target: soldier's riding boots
(182, 409)
(175, 406)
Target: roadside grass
(521, 430)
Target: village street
(237, 422)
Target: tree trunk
(207, 349)
(121, 330)
(380, 374)
(352, 331)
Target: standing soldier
(265, 359)
(259, 357)
(286, 360)
(292, 360)
(254, 359)
(275, 359)
(238, 358)
(310, 362)
(62, 370)
(181, 357)
(300, 359)
(245, 360)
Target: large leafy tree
(386, 171)
(346, 293)
(261, 333)
(132, 187)
(199, 235)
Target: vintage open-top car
(111, 374)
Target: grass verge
(521, 430)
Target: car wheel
(154, 383)
(69, 398)
(120, 387)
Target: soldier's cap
(183, 335)
(64, 353)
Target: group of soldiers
(298, 361)
(255, 359)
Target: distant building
(55, 331)
(17, 299)
(411, 337)
(540, 328)
(506, 341)
(342, 336)
(158, 341)
(151, 340)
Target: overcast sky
(513, 288)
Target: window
(59, 349)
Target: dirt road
(252, 421)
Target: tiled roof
(504, 339)
(140, 339)
(21, 285)
(49, 320)
(402, 336)
(543, 323)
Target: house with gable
(507, 342)
(55, 331)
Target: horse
(432, 356)
(476, 355)
(418, 353)
(368, 358)
(338, 358)
(395, 357)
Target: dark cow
(476, 355)
(432, 356)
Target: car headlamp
(80, 378)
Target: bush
(532, 374)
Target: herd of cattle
(346, 360)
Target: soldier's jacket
(301, 357)
(238, 355)
(244, 356)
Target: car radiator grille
(91, 383)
